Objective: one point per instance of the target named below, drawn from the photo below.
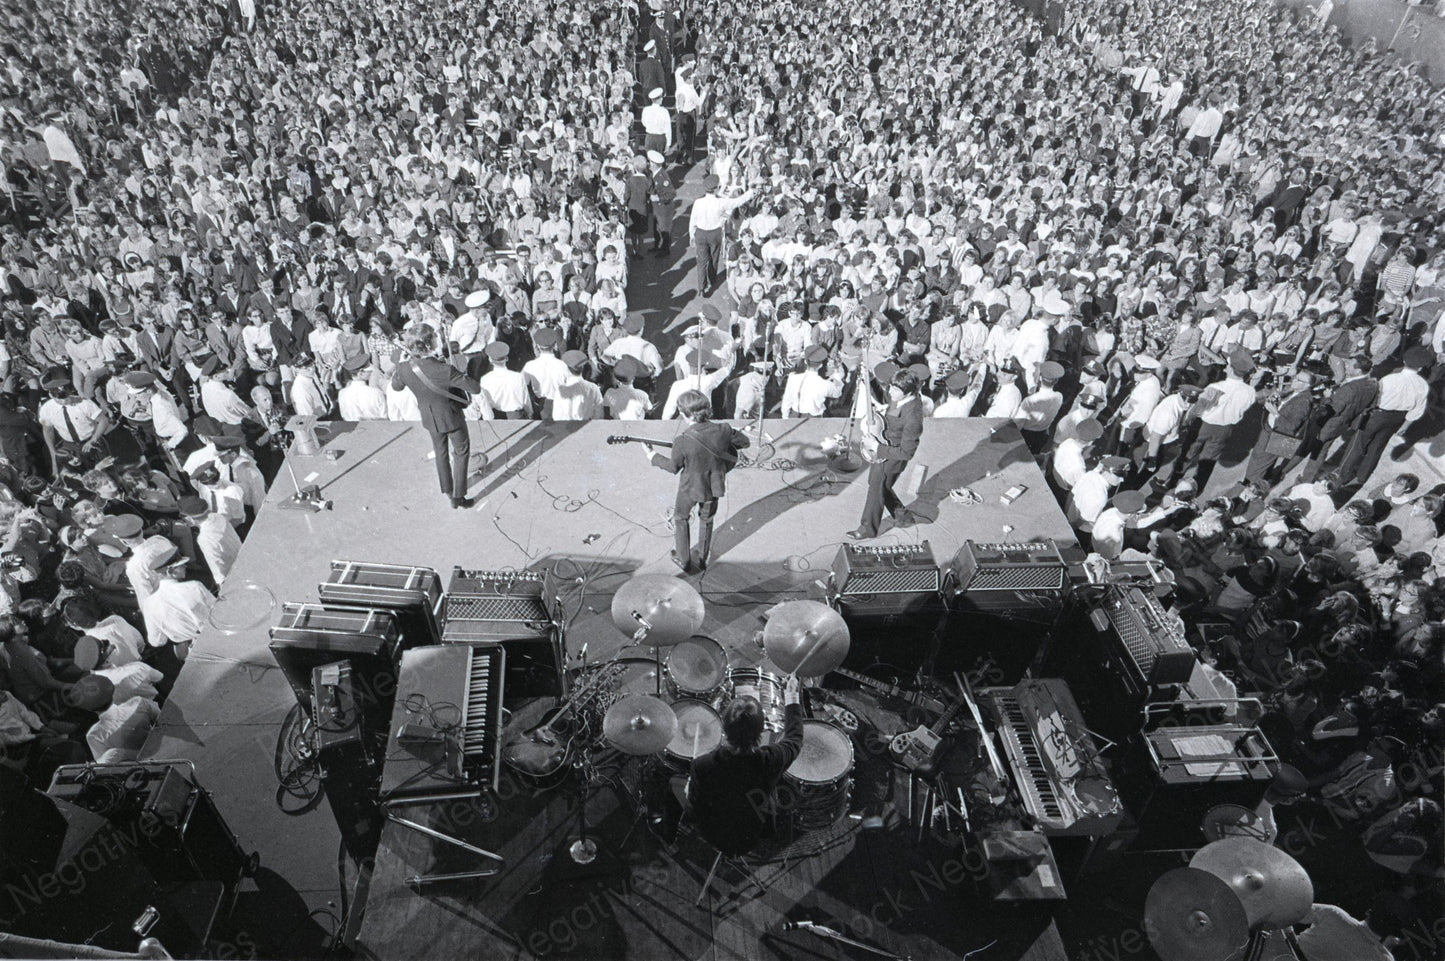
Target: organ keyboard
(444, 745)
(1053, 760)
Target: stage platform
(558, 497)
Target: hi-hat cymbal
(807, 638)
(1273, 887)
(1191, 915)
(669, 608)
(639, 724)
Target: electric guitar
(534, 743)
(918, 701)
(918, 749)
(629, 439)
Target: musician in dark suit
(730, 793)
(701, 456)
(902, 428)
(442, 392)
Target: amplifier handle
(1160, 707)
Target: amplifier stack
(1027, 581)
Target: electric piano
(1053, 759)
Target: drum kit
(669, 705)
(1235, 897)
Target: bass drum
(815, 789)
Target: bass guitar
(628, 439)
(536, 741)
(918, 750)
(919, 704)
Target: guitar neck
(629, 439)
(892, 690)
(578, 697)
(947, 717)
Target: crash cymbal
(1190, 915)
(807, 638)
(670, 609)
(1275, 891)
(639, 724)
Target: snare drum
(699, 731)
(815, 789)
(697, 668)
(767, 688)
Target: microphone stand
(763, 403)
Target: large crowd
(1153, 236)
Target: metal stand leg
(708, 883)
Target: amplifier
(312, 635)
(1014, 578)
(1155, 650)
(514, 609)
(411, 594)
(886, 580)
(182, 836)
(348, 766)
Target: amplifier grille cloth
(494, 609)
(1017, 579)
(901, 581)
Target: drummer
(730, 793)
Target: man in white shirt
(1161, 432)
(623, 400)
(506, 389)
(220, 401)
(1221, 407)
(1037, 411)
(358, 399)
(308, 397)
(634, 345)
(576, 397)
(687, 102)
(1069, 464)
(546, 371)
(957, 404)
(656, 123)
(233, 465)
(1402, 400)
(1320, 497)
(709, 213)
(1091, 494)
(140, 567)
(176, 611)
(1108, 537)
(215, 537)
(472, 332)
(807, 393)
(103, 643)
(71, 425)
(1143, 397)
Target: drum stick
(817, 639)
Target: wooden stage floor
(557, 497)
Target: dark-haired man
(701, 456)
(730, 794)
(902, 429)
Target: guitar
(918, 701)
(919, 749)
(628, 439)
(533, 741)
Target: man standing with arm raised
(442, 393)
(709, 214)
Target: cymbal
(671, 609)
(1190, 915)
(1273, 887)
(808, 638)
(639, 724)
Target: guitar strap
(431, 385)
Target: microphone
(637, 616)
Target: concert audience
(1158, 240)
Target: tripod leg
(708, 883)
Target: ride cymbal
(807, 638)
(668, 608)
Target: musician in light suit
(902, 429)
(442, 393)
